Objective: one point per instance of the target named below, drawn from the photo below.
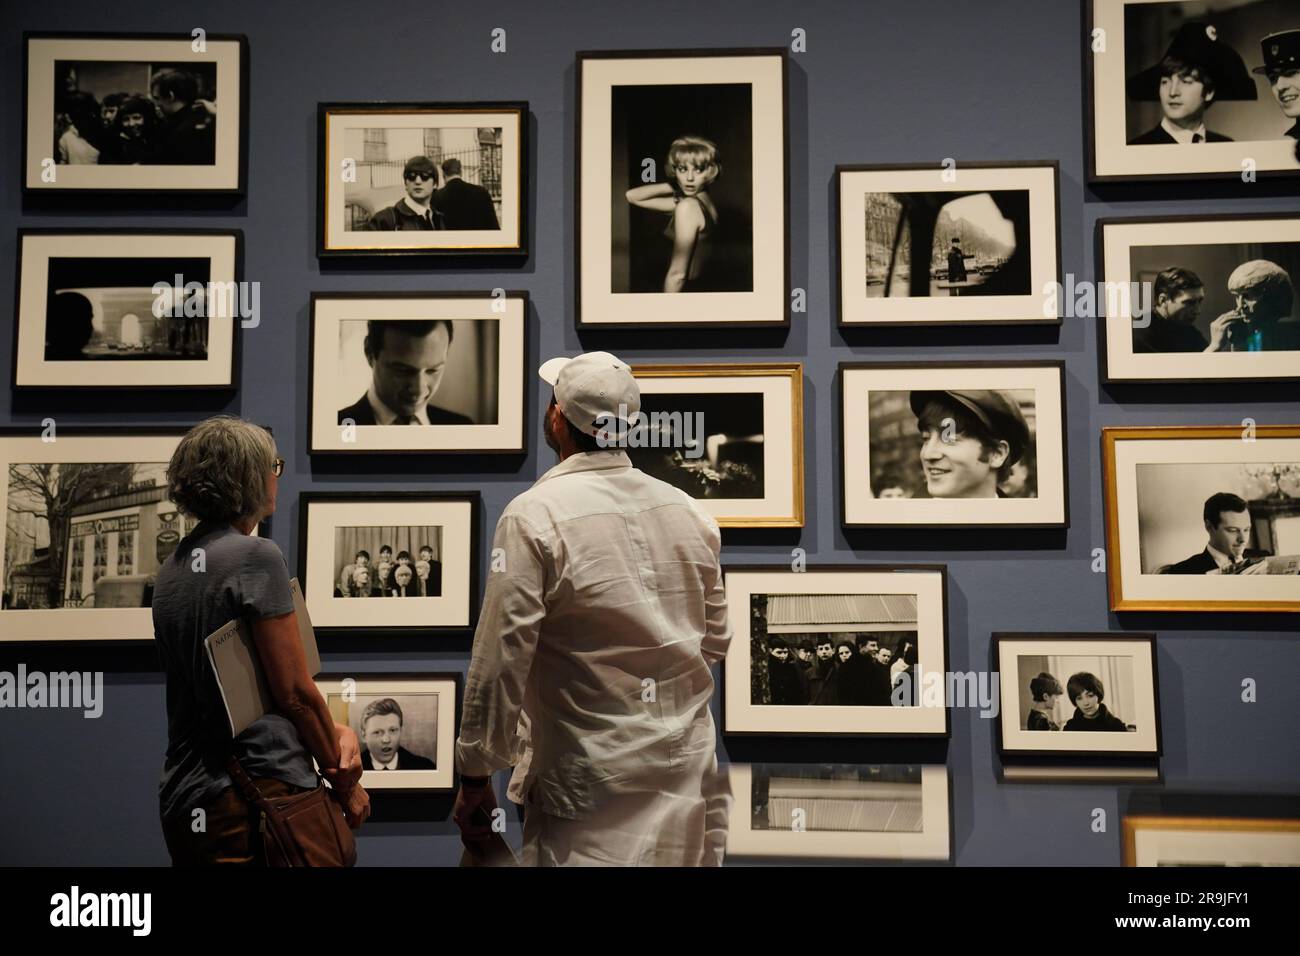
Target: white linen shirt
(603, 613)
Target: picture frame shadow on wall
(406, 723)
(135, 113)
(682, 189)
(1077, 695)
(451, 363)
(1173, 96)
(384, 544)
(129, 309)
(953, 444)
(422, 179)
(837, 651)
(844, 811)
(729, 435)
(1199, 298)
(987, 234)
(87, 524)
(1202, 518)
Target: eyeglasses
(277, 467)
(420, 176)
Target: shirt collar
(385, 415)
(605, 459)
(1180, 134)
(423, 212)
(391, 765)
(1221, 559)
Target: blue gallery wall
(883, 81)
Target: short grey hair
(221, 468)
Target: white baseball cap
(592, 389)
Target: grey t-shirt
(240, 577)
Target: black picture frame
(998, 638)
(837, 212)
(518, 108)
(1058, 364)
(455, 678)
(1091, 176)
(236, 345)
(520, 448)
(98, 191)
(940, 569)
(1099, 258)
(473, 498)
(582, 57)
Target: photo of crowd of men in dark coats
(832, 649)
(387, 562)
(123, 113)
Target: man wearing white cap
(602, 616)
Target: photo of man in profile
(407, 359)
(381, 732)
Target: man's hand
(473, 810)
(1221, 331)
(355, 804)
(348, 773)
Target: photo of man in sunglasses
(413, 211)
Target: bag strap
(245, 784)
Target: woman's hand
(355, 803)
(348, 773)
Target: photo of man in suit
(428, 574)
(1227, 521)
(1196, 71)
(407, 359)
(463, 205)
(381, 731)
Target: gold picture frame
(1130, 590)
(783, 508)
(1218, 826)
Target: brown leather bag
(306, 829)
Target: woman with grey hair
(225, 473)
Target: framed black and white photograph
(682, 189)
(1203, 518)
(840, 811)
(451, 364)
(1181, 90)
(87, 524)
(389, 544)
(422, 179)
(129, 308)
(1174, 840)
(406, 723)
(730, 436)
(1200, 298)
(854, 650)
(954, 443)
(1093, 695)
(926, 244)
(142, 113)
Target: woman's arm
(656, 196)
(280, 650)
(687, 223)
